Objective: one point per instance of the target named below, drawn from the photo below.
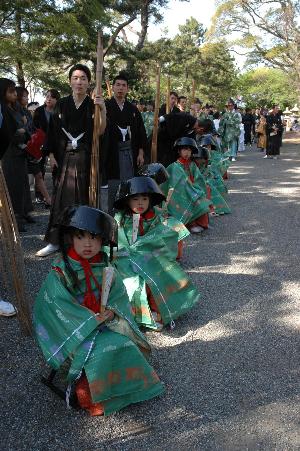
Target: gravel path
(230, 367)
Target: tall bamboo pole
(108, 87)
(168, 95)
(155, 120)
(12, 258)
(193, 91)
(94, 197)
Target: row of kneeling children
(96, 300)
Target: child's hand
(107, 315)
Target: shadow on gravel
(231, 365)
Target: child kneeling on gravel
(159, 173)
(82, 314)
(188, 203)
(158, 289)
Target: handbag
(34, 146)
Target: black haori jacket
(129, 116)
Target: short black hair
(83, 68)
(173, 93)
(120, 77)
(181, 97)
(5, 85)
(206, 124)
(54, 93)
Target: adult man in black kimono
(172, 126)
(69, 140)
(274, 133)
(249, 123)
(124, 141)
(173, 105)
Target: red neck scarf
(186, 162)
(147, 215)
(89, 300)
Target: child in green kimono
(158, 289)
(188, 203)
(219, 206)
(82, 314)
(158, 172)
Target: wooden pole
(94, 197)
(193, 91)
(168, 95)
(155, 120)
(12, 259)
(109, 91)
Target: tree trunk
(19, 62)
(144, 25)
(142, 34)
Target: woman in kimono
(262, 133)
(274, 133)
(69, 142)
(82, 315)
(158, 289)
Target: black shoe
(29, 219)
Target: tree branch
(115, 34)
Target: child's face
(200, 162)
(139, 203)
(86, 245)
(185, 152)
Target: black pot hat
(186, 142)
(138, 185)
(202, 152)
(156, 171)
(92, 220)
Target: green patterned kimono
(217, 200)
(151, 261)
(229, 129)
(188, 201)
(220, 161)
(172, 222)
(148, 119)
(111, 353)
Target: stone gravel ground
(230, 367)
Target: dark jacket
(7, 130)
(163, 110)
(175, 126)
(274, 120)
(129, 116)
(40, 119)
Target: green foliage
(217, 76)
(268, 30)
(264, 86)
(41, 39)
